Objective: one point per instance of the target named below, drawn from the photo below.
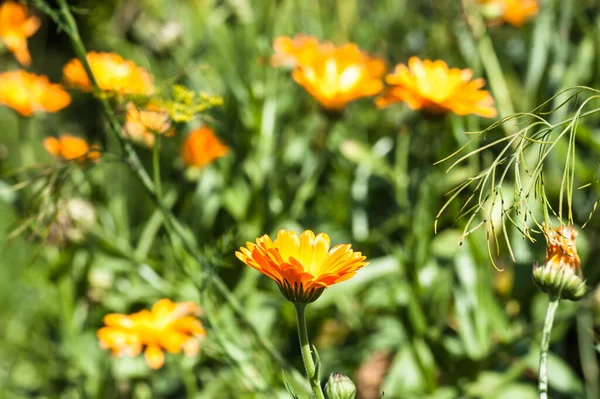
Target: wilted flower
(15, 27)
(112, 72)
(168, 326)
(514, 12)
(201, 147)
(338, 76)
(302, 265)
(68, 147)
(560, 275)
(27, 93)
(433, 87)
(299, 50)
(142, 125)
(73, 218)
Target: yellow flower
(202, 147)
(299, 50)
(112, 72)
(67, 148)
(168, 326)
(141, 125)
(337, 76)
(514, 12)
(302, 265)
(433, 87)
(27, 93)
(15, 28)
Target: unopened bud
(340, 387)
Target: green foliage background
(435, 318)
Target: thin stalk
(156, 167)
(545, 344)
(309, 364)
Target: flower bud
(560, 275)
(340, 387)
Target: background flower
(28, 93)
(432, 86)
(68, 147)
(113, 73)
(201, 147)
(15, 27)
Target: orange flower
(299, 50)
(561, 251)
(112, 72)
(15, 28)
(337, 76)
(27, 93)
(201, 147)
(433, 87)
(515, 12)
(67, 148)
(141, 125)
(302, 265)
(167, 326)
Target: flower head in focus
(142, 125)
(560, 275)
(170, 326)
(201, 147)
(299, 50)
(302, 265)
(15, 27)
(113, 73)
(433, 87)
(340, 75)
(68, 148)
(27, 93)
(514, 12)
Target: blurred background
(427, 318)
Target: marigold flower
(201, 147)
(302, 265)
(27, 93)
(142, 125)
(112, 72)
(167, 326)
(299, 50)
(15, 28)
(68, 147)
(433, 87)
(514, 12)
(560, 275)
(337, 76)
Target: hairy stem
(544, 345)
(307, 357)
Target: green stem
(545, 344)
(307, 357)
(156, 168)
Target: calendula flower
(167, 326)
(68, 147)
(299, 50)
(560, 275)
(302, 265)
(201, 147)
(514, 12)
(142, 125)
(27, 93)
(338, 76)
(15, 27)
(433, 87)
(112, 72)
